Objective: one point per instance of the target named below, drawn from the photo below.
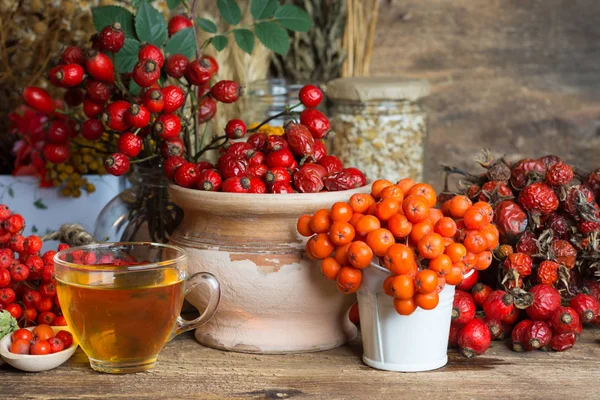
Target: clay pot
(274, 298)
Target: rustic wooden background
(520, 77)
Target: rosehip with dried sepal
(310, 96)
(524, 171)
(58, 132)
(546, 300)
(463, 308)
(98, 91)
(474, 338)
(38, 99)
(518, 335)
(316, 122)
(332, 164)
(257, 186)
(258, 140)
(539, 197)
(258, 171)
(559, 174)
(207, 109)
(255, 158)
(309, 178)
(151, 52)
(236, 184)
(99, 66)
(111, 38)
(235, 129)
(299, 139)
(174, 98)
(536, 335)
(563, 320)
(281, 188)
(343, 180)
(66, 76)
(275, 143)
(117, 164)
(499, 304)
(278, 175)
(177, 23)
(226, 91)
(176, 65)
(91, 109)
(129, 144)
(199, 72)
(495, 326)
(562, 341)
(167, 126)
(186, 175)
(146, 72)
(520, 263)
(231, 165)
(115, 115)
(210, 180)
(56, 153)
(138, 116)
(586, 306)
(73, 55)
(153, 100)
(171, 164)
(92, 129)
(172, 147)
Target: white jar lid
(377, 88)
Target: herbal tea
(122, 318)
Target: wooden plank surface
(189, 370)
(521, 77)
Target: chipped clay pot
(274, 298)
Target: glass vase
(143, 212)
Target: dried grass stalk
(359, 35)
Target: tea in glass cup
(123, 300)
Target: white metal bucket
(392, 342)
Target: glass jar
(380, 126)
(269, 97)
(142, 212)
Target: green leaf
(173, 4)
(150, 25)
(245, 39)
(134, 88)
(136, 3)
(273, 36)
(219, 41)
(206, 25)
(293, 18)
(34, 229)
(11, 192)
(127, 57)
(108, 15)
(230, 11)
(40, 204)
(183, 42)
(261, 9)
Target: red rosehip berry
(332, 164)
(320, 151)
(316, 122)
(129, 144)
(257, 186)
(537, 335)
(74, 96)
(278, 175)
(524, 170)
(56, 153)
(176, 65)
(539, 197)
(151, 52)
(117, 164)
(559, 174)
(167, 126)
(520, 263)
(586, 306)
(154, 101)
(204, 165)
(255, 158)
(98, 91)
(474, 338)
(281, 188)
(300, 139)
(58, 132)
(562, 341)
(258, 141)
(146, 72)
(463, 307)
(546, 300)
(518, 335)
(280, 158)
(235, 184)
(171, 164)
(115, 115)
(172, 147)
(563, 320)
(100, 67)
(226, 91)
(207, 110)
(309, 178)
(199, 72)
(231, 165)
(33, 244)
(138, 116)
(174, 98)
(91, 109)
(494, 325)
(177, 23)
(186, 175)
(73, 55)
(210, 180)
(258, 171)
(66, 76)
(563, 253)
(235, 129)
(111, 38)
(310, 96)
(499, 305)
(38, 99)
(92, 129)
(214, 66)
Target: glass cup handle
(191, 283)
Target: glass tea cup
(122, 301)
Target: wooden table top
(188, 370)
